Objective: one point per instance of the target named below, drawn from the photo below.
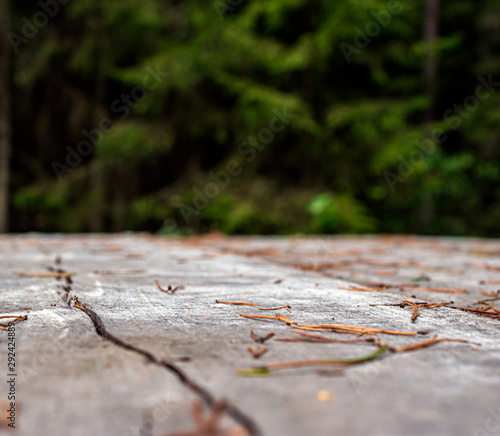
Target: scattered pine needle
(129, 272)
(355, 288)
(413, 306)
(17, 318)
(486, 266)
(416, 306)
(428, 289)
(386, 272)
(260, 339)
(494, 293)
(411, 287)
(257, 353)
(267, 369)
(236, 303)
(424, 344)
(281, 307)
(46, 275)
(491, 312)
(331, 327)
(169, 289)
(312, 338)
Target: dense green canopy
(274, 116)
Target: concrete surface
(72, 382)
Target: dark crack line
(206, 396)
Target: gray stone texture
(73, 382)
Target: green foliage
(230, 71)
(133, 140)
(338, 214)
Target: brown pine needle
(77, 304)
(169, 289)
(490, 282)
(329, 330)
(491, 307)
(284, 318)
(487, 313)
(424, 344)
(487, 299)
(428, 289)
(355, 288)
(236, 303)
(281, 307)
(416, 306)
(432, 305)
(413, 306)
(252, 334)
(386, 272)
(12, 316)
(255, 316)
(309, 337)
(128, 272)
(259, 339)
(265, 370)
(486, 266)
(256, 354)
(331, 327)
(46, 275)
(411, 287)
(17, 318)
(348, 328)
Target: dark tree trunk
(430, 35)
(427, 207)
(5, 51)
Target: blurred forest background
(245, 116)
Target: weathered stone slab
(72, 381)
